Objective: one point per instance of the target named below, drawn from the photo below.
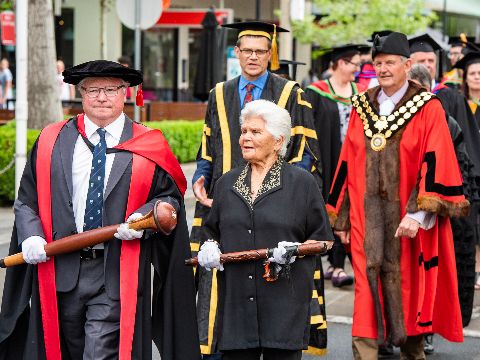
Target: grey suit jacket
(115, 203)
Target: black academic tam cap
(394, 43)
(344, 51)
(257, 28)
(423, 43)
(285, 68)
(260, 28)
(461, 40)
(379, 33)
(102, 68)
(471, 57)
(364, 49)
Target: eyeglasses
(110, 91)
(454, 54)
(249, 52)
(353, 63)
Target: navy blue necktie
(94, 206)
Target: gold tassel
(274, 64)
(463, 39)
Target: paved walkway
(339, 302)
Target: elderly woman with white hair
(267, 203)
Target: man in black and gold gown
(219, 152)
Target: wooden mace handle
(315, 248)
(163, 218)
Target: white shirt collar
(396, 97)
(114, 129)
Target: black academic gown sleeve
(456, 105)
(174, 320)
(327, 125)
(463, 229)
(16, 317)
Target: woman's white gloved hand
(33, 250)
(125, 233)
(280, 251)
(209, 256)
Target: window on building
(64, 36)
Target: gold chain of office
(386, 126)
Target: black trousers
(268, 354)
(337, 254)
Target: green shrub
(182, 136)
(7, 151)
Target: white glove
(280, 251)
(125, 233)
(33, 250)
(209, 256)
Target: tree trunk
(44, 106)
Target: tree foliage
(6, 5)
(353, 21)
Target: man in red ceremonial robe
(396, 185)
(98, 169)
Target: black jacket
(289, 207)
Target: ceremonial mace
(315, 248)
(162, 218)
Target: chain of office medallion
(388, 125)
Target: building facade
(91, 29)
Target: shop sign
(192, 18)
(7, 27)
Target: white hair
(277, 120)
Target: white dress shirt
(82, 162)
(426, 219)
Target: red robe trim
(439, 87)
(145, 157)
(324, 88)
(46, 271)
(153, 146)
(428, 272)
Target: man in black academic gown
(219, 151)
(99, 169)
(423, 51)
(458, 49)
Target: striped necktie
(249, 95)
(94, 205)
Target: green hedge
(183, 137)
(7, 151)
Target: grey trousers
(89, 319)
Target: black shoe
(342, 279)
(428, 346)
(385, 349)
